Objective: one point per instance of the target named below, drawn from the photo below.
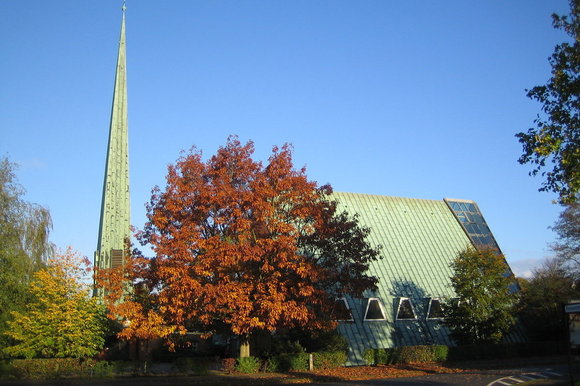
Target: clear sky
(407, 98)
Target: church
(418, 238)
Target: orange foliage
(132, 305)
(241, 245)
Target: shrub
(379, 356)
(229, 365)
(440, 352)
(5, 368)
(385, 356)
(369, 356)
(288, 362)
(412, 354)
(102, 369)
(329, 359)
(405, 354)
(195, 366)
(248, 365)
(271, 365)
(59, 367)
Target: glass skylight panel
(473, 223)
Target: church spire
(114, 228)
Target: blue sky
(405, 98)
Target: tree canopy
(485, 310)
(555, 138)
(567, 245)
(243, 247)
(24, 244)
(542, 298)
(62, 319)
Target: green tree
(542, 298)
(24, 245)
(62, 320)
(567, 245)
(556, 136)
(486, 308)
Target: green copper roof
(419, 239)
(114, 225)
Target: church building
(418, 238)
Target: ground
(460, 373)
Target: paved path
(528, 377)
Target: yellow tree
(62, 320)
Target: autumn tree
(243, 247)
(131, 297)
(24, 244)
(542, 299)
(567, 244)
(555, 139)
(486, 307)
(62, 319)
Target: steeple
(114, 228)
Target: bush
(5, 368)
(288, 362)
(229, 365)
(248, 365)
(195, 366)
(369, 356)
(271, 365)
(59, 367)
(103, 369)
(405, 354)
(440, 352)
(412, 354)
(378, 356)
(329, 359)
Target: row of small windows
(375, 310)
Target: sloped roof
(419, 239)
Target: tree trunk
(244, 346)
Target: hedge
(194, 365)
(441, 353)
(405, 354)
(329, 359)
(287, 362)
(59, 368)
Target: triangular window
(435, 309)
(342, 311)
(405, 310)
(374, 310)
